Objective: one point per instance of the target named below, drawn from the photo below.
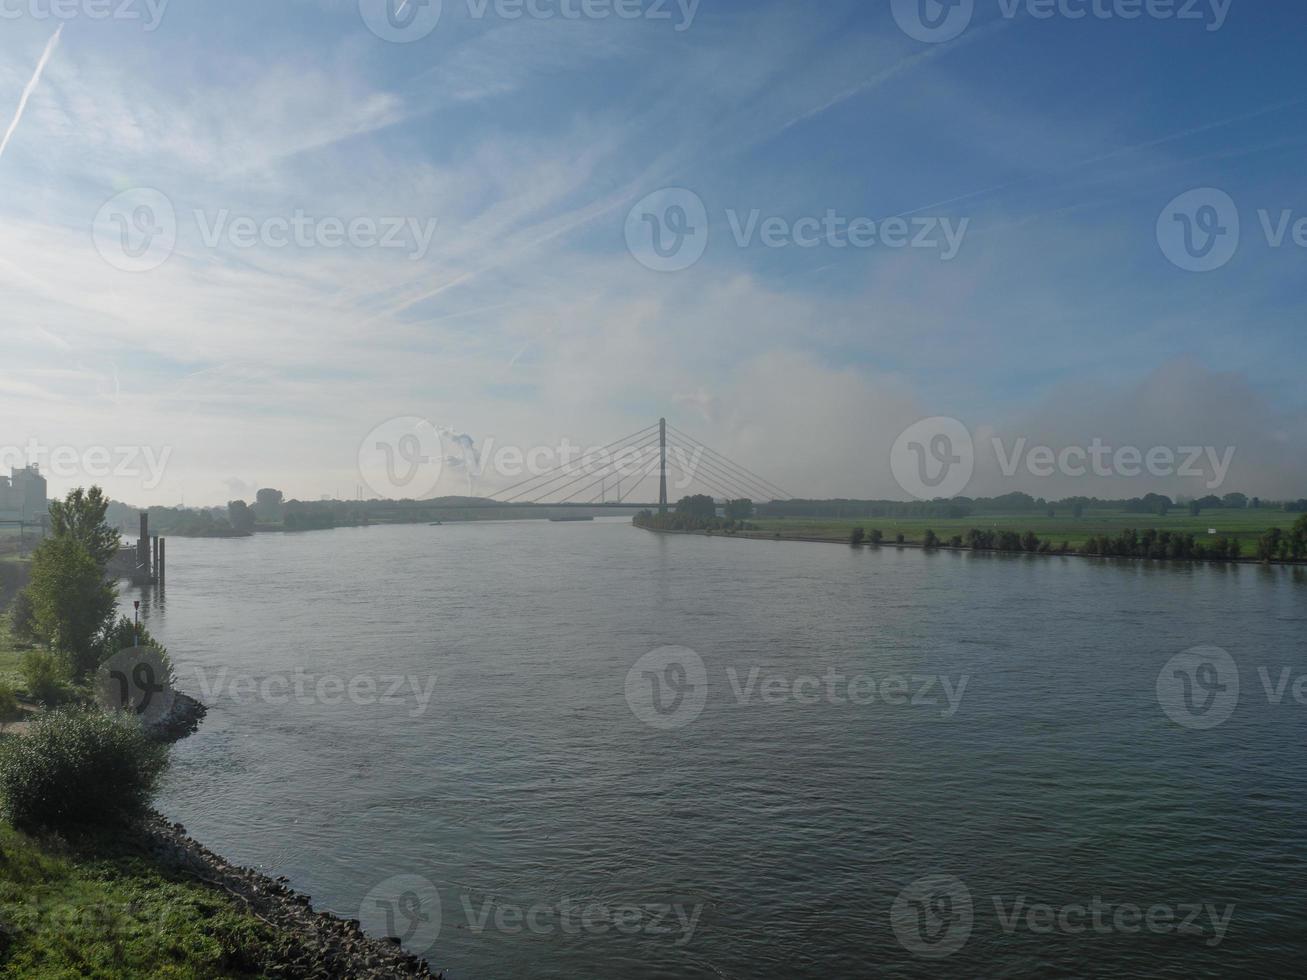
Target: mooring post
(155, 542)
(163, 559)
(143, 545)
(662, 466)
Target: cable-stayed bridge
(635, 470)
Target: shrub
(124, 634)
(22, 618)
(9, 710)
(79, 769)
(44, 676)
(857, 536)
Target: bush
(124, 634)
(9, 710)
(44, 676)
(857, 536)
(22, 618)
(79, 769)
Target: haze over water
(785, 831)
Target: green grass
(1246, 525)
(11, 654)
(97, 910)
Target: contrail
(31, 87)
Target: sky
(239, 239)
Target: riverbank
(845, 541)
(149, 900)
(153, 902)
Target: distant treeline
(682, 521)
(1274, 545)
(1013, 503)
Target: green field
(97, 908)
(1245, 525)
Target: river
(849, 763)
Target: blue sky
(1056, 143)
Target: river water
(863, 762)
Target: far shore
(918, 546)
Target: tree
(72, 602)
(856, 537)
(1234, 501)
(876, 536)
(699, 505)
(739, 510)
(931, 541)
(80, 516)
(1269, 545)
(1195, 508)
(240, 515)
(1078, 511)
(1298, 539)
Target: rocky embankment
(311, 944)
(183, 719)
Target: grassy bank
(1245, 525)
(97, 909)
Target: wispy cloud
(30, 88)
